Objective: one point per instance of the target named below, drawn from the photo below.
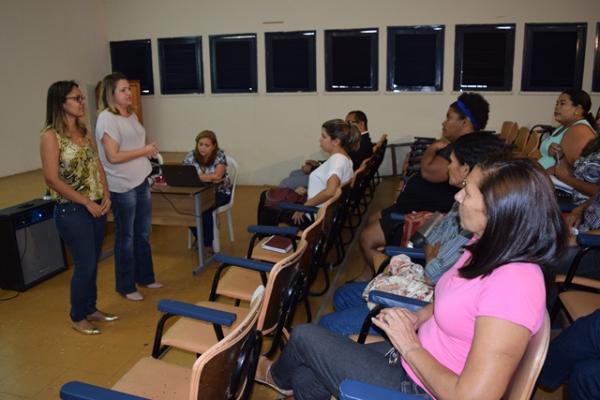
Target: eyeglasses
(79, 99)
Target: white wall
(42, 42)
(269, 134)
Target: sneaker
(134, 296)
(154, 285)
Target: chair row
(526, 141)
(228, 337)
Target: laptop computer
(181, 175)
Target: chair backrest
(512, 133)
(280, 292)
(315, 240)
(232, 171)
(524, 379)
(507, 127)
(226, 370)
(521, 140)
(533, 143)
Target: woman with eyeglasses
(125, 156)
(468, 343)
(77, 183)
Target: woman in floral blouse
(77, 182)
(211, 165)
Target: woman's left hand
(105, 204)
(562, 169)
(400, 326)
(298, 217)
(205, 178)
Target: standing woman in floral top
(77, 182)
(211, 165)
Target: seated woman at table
(469, 342)
(211, 165)
(338, 138)
(572, 111)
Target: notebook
(181, 175)
(279, 244)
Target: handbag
(277, 195)
(401, 277)
(412, 223)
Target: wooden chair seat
(238, 283)
(156, 379)
(580, 280)
(258, 253)
(369, 339)
(197, 336)
(578, 303)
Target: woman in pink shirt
(468, 343)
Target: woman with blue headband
(429, 189)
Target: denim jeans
(315, 361)
(83, 235)
(574, 358)
(133, 223)
(207, 217)
(350, 310)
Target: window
(415, 58)
(233, 63)
(290, 61)
(596, 79)
(351, 59)
(180, 61)
(134, 59)
(483, 57)
(553, 56)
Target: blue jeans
(574, 358)
(315, 361)
(350, 310)
(133, 223)
(207, 219)
(83, 235)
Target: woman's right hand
(574, 218)
(301, 190)
(556, 150)
(94, 208)
(400, 325)
(150, 150)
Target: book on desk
(277, 243)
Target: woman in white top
(124, 154)
(337, 138)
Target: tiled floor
(38, 349)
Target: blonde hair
(106, 101)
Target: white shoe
(134, 296)
(154, 285)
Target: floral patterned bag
(402, 277)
